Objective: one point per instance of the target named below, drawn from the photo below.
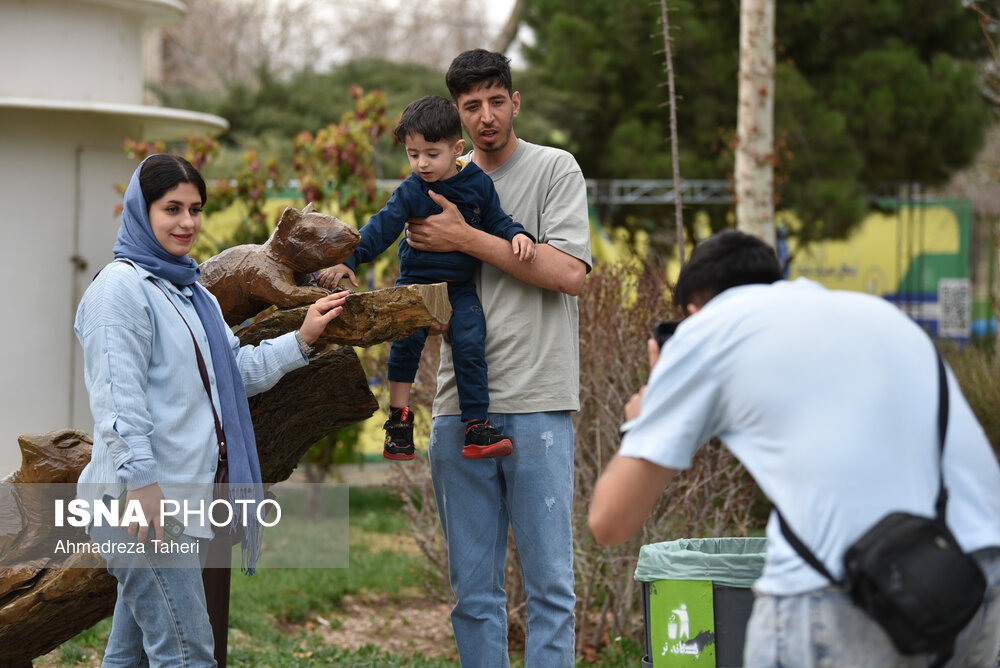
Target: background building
(71, 91)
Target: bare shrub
(619, 305)
(388, 31)
(618, 309)
(411, 481)
(977, 370)
(224, 41)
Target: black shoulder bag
(908, 572)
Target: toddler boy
(431, 130)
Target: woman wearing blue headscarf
(168, 383)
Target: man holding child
(532, 350)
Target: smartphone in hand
(172, 527)
(664, 330)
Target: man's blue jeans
(531, 491)
(160, 617)
(824, 628)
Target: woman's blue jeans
(160, 617)
(531, 491)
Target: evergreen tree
(867, 92)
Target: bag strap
(804, 551)
(942, 499)
(220, 435)
(939, 505)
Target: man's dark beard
(497, 146)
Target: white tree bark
(755, 121)
(509, 31)
(668, 65)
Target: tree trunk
(509, 31)
(668, 66)
(755, 121)
(368, 317)
(307, 404)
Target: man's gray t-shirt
(532, 334)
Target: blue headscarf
(137, 243)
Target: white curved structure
(71, 91)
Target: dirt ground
(407, 626)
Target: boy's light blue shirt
(153, 421)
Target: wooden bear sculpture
(247, 279)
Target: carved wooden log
(52, 607)
(369, 318)
(58, 456)
(26, 511)
(40, 608)
(307, 404)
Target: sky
(494, 13)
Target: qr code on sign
(954, 308)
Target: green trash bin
(696, 599)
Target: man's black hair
(725, 260)
(478, 67)
(432, 116)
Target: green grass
(270, 612)
(267, 610)
(621, 652)
(374, 509)
(71, 654)
(82, 649)
(305, 656)
(289, 595)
